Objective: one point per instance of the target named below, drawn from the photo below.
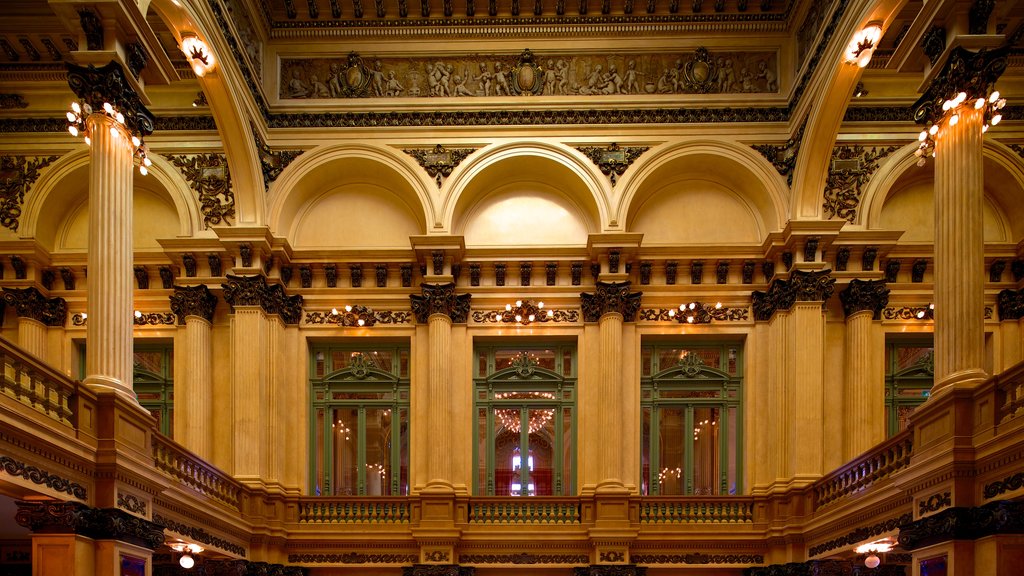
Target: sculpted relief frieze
(483, 75)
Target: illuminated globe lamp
(694, 313)
(863, 44)
(198, 54)
(188, 553)
(873, 549)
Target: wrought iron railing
(696, 509)
(354, 509)
(533, 510)
(868, 469)
(36, 385)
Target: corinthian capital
(440, 299)
(609, 297)
(30, 303)
(193, 301)
(863, 295)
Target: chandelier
(77, 125)
(510, 417)
(992, 104)
(356, 315)
(695, 313)
(523, 312)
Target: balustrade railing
(869, 468)
(32, 383)
(533, 510)
(696, 510)
(1010, 386)
(354, 509)
(192, 471)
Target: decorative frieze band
(703, 314)
(802, 286)
(1008, 484)
(42, 477)
(369, 316)
(610, 297)
(199, 535)
(934, 503)
(697, 558)
(193, 301)
(97, 523)
(861, 534)
(437, 570)
(861, 295)
(30, 303)
(353, 558)
(960, 523)
(502, 316)
(254, 291)
(440, 299)
(524, 558)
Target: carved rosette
(1010, 304)
(254, 291)
(971, 72)
(801, 287)
(863, 295)
(30, 303)
(440, 299)
(193, 301)
(96, 86)
(611, 297)
(97, 523)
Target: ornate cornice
(437, 570)
(971, 72)
(354, 558)
(208, 175)
(193, 301)
(96, 523)
(861, 534)
(850, 170)
(199, 535)
(30, 303)
(802, 286)
(1010, 304)
(610, 297)
(863, 295)
(17, 174)
(254, 291)
(960, 523)
(697, 558)
(613, 159)
(439, 161)
(13, 467)
(440, 299)
(96, 86)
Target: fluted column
(105, 93)
(439, 307)
(194, 306)
(35, 313)
(864, 392)
(610, 305)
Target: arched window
(909, 375)
(525, 406)
(692, 424)
(360, 421)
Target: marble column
(35, 313)
(864, 392)
(610, 305)
(439, 307)
(194, 307)
(108, 362)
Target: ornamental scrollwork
(613, 160)
(379, 317)
(37, 476)
(131, 503)
(723, 314)
(850, 170)
(959, 523)
(96, 523)
(199, 535)
(193, 301)
(501, 316)
(1008, 484)
(354, 558)
(108, 84)
(439, 161)
(783, 157)
(610, 297)
(861, 534)
(697, 558)
(863, 295)
(209, 176)
(440, 299)
(30, 303)
(524, 558)
(272, 162)
(9, 101)
(909, 313)
(934, 503)
(17, 175)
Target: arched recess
(526, 193)
(901, 196)
(828, 96)
(354, 196)
(231, 112)
(704, 192)
(55, 210)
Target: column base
(438, 486)
(107, 385)
(611, 486)
(964, 379)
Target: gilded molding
(17, 175)
(30, 303)
(701, 314)
(440, 299)
(254, 291)
(1008, 484)
(354, 558)
(971, 72)
(199, 535)
(849, 171)
(96, 86)
(613, 160)
(863, 295)
(524, 558)
(193, 301)
(861, 534)
(698, 558)
(960, 523)
(802, 286)
(97, 523)
(608, 298)
(439, 161)
(934, 503)
(37, 476)
(208, 175)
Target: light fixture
(537, 417)
(873, 549)
(952, 106)
(863, 45)
(925, 312)
(523, 312)
(198, 54)
(188, 552)
(77, 125)
(696, 313)
(353, 315)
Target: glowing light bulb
(689, 319)
(954, 119)
(718, 305)
(72, 117)
(993, 96)
(120, 117)
(551, 313)
(872, 561)
(693, 305)
(108, 108)
(85, 316)
(934, 129)
(88, 141)
(138, 314)
(73, 130)
(979, 103)
(78, 109)
(947, 105)
(997, 119)
(519, 317)
(147, 162)
(519, 303)
(920, 314)
(360, 321)
(961, 97)
(497, 317)
(531, 317)
(143, 170)
(922, 135)
(508, 307)
(113, 131)
(984, 128)
(348, 308)
(334, 311)
(671, 313)
(540, 305)
(865, 57)
(136, 141)
(199, 70)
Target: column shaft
(864, 394)
(249, 391)
(108, 362)
(959, 253)
(194, 425)
(439, 461)
(805, 391)
(610, 387)
(32, 337)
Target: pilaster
(194, 307)
(864, 397)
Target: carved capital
(971, 72)
(30, 303)
(609, 297)
(254, 291)
(863, 295)
(96, 86)
(97, 523)
(801, 287)
(193, 301)
(440, 299)
(1010, 304)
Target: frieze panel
(351, 319)
(42, 477)
(999, 517)
(97, 523)
(247, 35)
(861, 534)
(708, 313)
(131, 503)
(353, 558)
(524, 558)
(505, 316)
(208, 175)
(484, 75)
(199, 535)
(698, 558)
(1008, 484)
(17, 174)
(934, 503)
(849, 172)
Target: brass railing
(533, 510)
(190, 470)
(354, 509)
(867, 469)
(32, 383)
(696, 509)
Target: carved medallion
(701, 73)
(527, 76)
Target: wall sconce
(926, 312)
(863, 44)
(523, 312)
(198, 54)
(187, 551)
(356, 315)
(694, 313)
(77, 125)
